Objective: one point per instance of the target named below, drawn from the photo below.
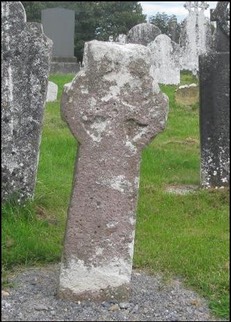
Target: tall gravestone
(114, 108)
(26, 55)
(214, 75)
(195, 36)
(59, 26)
(165, 59)
(143, 34)
(173, 29)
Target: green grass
(188, 78)
(177, 235)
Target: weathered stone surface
(114, 108)
(214, 119)
(187, 95)
(221, 14)
(122, 39)
(165, 60)
(143, 34)
(195, 36)
(52, 92)
(64, 67)
(26, 55)
(215, 106)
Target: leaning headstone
(214, 76)
(59, 26)
(165, 59)
(187, 95)
(143, 34)
(26, 55)
(114, 108)
(195, 36)
(52, 92)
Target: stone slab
(26, 55)
(52, 92)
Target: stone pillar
(26, 55)
(114, 108)
(214, 76)
(173, 29)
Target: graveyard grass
(184, 236)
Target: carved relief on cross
(190, 5)
(203, 5)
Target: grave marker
(114, 109)
(26, 55)
(214, 74)
(52, 92)
(165, 59)
(59, 25)
(143, 34)
(195, 35)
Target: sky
(150, 8)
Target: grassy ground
(179, 235)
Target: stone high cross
(114, 108)
(195, 36)
(214, 74)
(221, 15)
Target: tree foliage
(168, 25)
(93, 19)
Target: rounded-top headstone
(143, 34)
(165, 59)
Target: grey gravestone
(214, 74)
(52, 92)
(143, 34)
(59, 26)
(165, 60)
(173, 29)
(26, 54)
(114, 108)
